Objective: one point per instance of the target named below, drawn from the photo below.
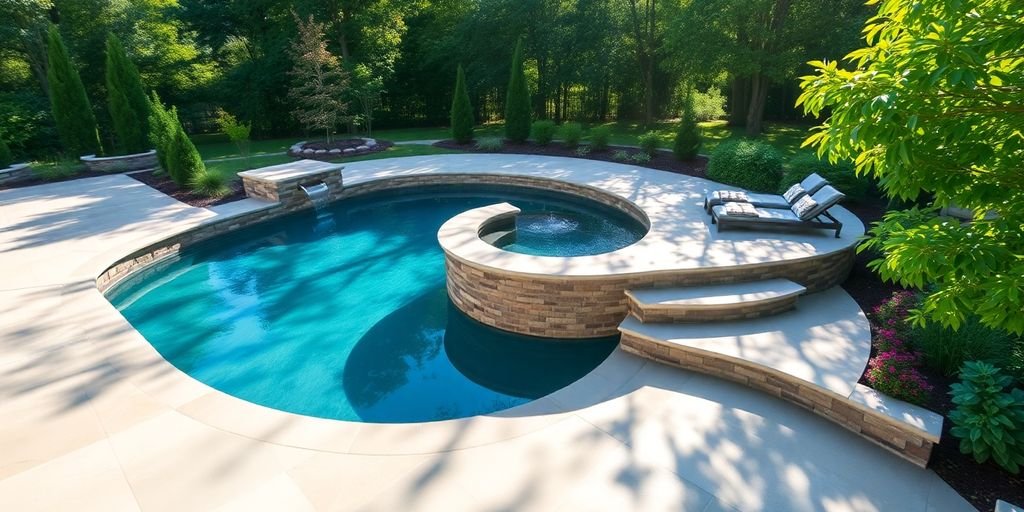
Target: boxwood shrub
(543, 132)
(840, 175)
(747, 164)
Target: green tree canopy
(517, 100)
(933, 107)
(129, 107)
(72, 112)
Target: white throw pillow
(794, 193)
(805, 208)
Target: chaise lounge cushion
(810, 185)
(805, 208)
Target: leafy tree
(517, 100)
(932, 107)
(24, 32)
(6, 158)
(129, 107)
(238, 132)
(318, 81)
(462, 111)
(72, 112)
(367, 90)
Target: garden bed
(165, 184)
(662, 160)
(338, 149)
(980, 484)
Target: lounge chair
(808, 212)
(808, 186)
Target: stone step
(719, 302)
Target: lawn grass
(784, 137)
(229, 168)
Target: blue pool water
(347, 317)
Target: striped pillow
(805, 208)
(794, 193)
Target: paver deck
(92, 418)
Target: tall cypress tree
(163, 124)
(517, 100)
(462, 111)
(129, 107)
(72, 112)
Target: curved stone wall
(587, 307)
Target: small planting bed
(338, 149)
(163, 183)
(662, 160)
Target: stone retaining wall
(16, 173)
(589, 307)
(650, 314)
(897, 437)
(124, 163)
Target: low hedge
(840, 175)
(747, 164)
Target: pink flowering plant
(894, 368)
(893, 314)
(895, 374)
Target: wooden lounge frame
(824, 220)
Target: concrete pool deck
(92, 418)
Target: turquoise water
(346, 316)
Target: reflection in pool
(348, 318)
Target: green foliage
(748, 164)
(462, 111)
(517, 100)
(543, 132)
(687, 143)
(599, 138)
(238, 132)
(571, 134)
(708, 105)
(209, 184)
(183, 161)
(649, 143)
(163, 126)
(989, 418)
(490, 144)
(946, 350)
(72, 112)
(319, 82)
(641, 158)
(621, 156)
(129, 106)
(930, 109)
(57, 171)
(583, 151)
(841, 175)
(6, 158)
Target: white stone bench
(805, 357)
(719, 302)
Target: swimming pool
(346, 316)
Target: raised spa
(346, 316)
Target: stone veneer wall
(16, 173)
(287, 192)
(902, 439)
(588, 307)
(136, 162)
(653, 314)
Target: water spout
(318, 194)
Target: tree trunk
(758, 96)
(739, 101)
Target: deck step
(720, 302)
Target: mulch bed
(662, 161)
(164, 184)
(979, 484)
